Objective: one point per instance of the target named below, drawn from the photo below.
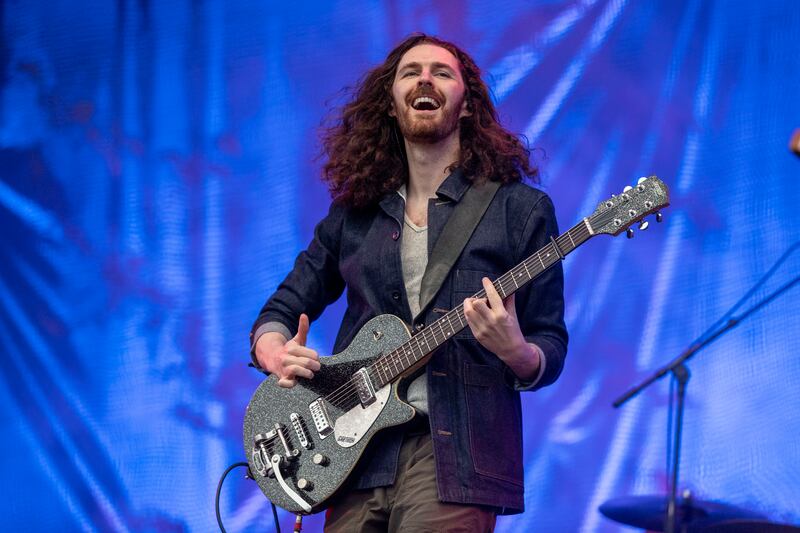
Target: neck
(427, 165)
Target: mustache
(425, 90)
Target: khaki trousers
(411, 504)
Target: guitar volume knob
(304, 484)
(320, 459)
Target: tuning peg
(629, 233)
(643, 178)
(659, 217)
(643, 225)
(627, 188)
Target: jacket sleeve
(540, 305)
(313, 283)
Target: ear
(466, 108)
(392, 112)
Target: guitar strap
(455, 234)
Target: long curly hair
(365, 155)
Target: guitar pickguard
(355, 423)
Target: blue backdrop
(158, 174)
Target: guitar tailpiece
(296, 498)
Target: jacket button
(395, 235)
(395, 295)
(419, 326)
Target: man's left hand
(494, 324)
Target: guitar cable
(248, 475)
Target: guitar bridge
(366, 392)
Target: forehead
(429, 53)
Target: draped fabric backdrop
(159, 173)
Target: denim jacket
(473, 397)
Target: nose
(425, 77)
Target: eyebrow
(417, 65)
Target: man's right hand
(288, 359)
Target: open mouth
(425, 103)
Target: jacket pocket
(495, 424)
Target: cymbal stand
(681, 373)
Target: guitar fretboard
(390, 366)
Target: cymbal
(750, 526)
(650, 512)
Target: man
(419, 132)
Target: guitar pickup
(297, 424)
(366, 392)
(319, 414)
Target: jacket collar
(452, 189)
(454, 186)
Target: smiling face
(428, 94)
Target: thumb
(302, 330)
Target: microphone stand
(681, 372)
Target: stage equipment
(647, 512)
(680, 372)
(750, 526)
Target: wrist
(527, 361)
(266, 344)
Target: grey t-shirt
(414, 258)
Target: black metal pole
(681, 373)
(701, 343)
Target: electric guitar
(303, 442)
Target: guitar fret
(528, 272)
(450, 323)
(563, 244)
(569, 234)
(540, 260)
(420, 350)
(519, 274)
(436, 341)
(385, 364)
(441, 332)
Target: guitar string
(580, 232)
(504, 283)
(348, 392)
(382, 366)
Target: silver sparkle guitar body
(313, 461)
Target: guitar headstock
(619, 212)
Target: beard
(429, 129)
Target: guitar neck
(390, 366)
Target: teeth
(426, 99)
